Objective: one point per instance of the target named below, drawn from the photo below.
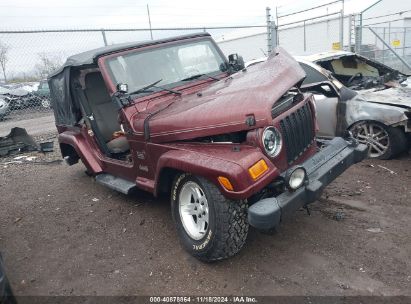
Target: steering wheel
(358, 75)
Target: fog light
(296, 178)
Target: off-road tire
(396, 136)
(228, 225)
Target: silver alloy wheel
(193, 209)
(374, 136)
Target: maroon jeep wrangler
(231, 146)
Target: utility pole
(149, 22)
(269, 43)
(342, 26)
(277, 42)
(104, 37)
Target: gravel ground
(28, 113)
(35, 123)
(63, 234)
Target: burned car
(231, 147)
(376, 118)
(376, 83)
(358, 72)
(383, 126)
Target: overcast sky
(24, 49)
(42, 14)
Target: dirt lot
(35, 121)
(63, 234)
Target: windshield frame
(326, 73)
(110, 81)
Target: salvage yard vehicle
(4, 108)
(232, 147)
(26, 95)
(16, 98)
(383, 126)
(360, 73)
(376, 118)
(41, 96)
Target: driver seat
(104, 111)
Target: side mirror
(119, 97)
(326, 87)
(236, 62)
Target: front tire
(210, 226)
(383, 141)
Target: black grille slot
(285, 103)
(298, 132)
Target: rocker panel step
(115, 183)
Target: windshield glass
(318, 74)
(171, 64)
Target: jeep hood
(224, 106)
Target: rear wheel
(383, 141)
(210, 226)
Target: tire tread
(232, 225)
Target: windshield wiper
(153, 85)
(168, 90)
(199, 76)
(145, 88)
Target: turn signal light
(225, 182)
(258, 169)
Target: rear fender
(83, 149)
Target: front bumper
(325, 166)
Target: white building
(389, 18)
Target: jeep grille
(298, 132)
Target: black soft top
(90, 57)
(66, 106)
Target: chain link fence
(27, 57)
(311, 36)
(389, 45)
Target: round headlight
(297, 178)
(272, 141)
